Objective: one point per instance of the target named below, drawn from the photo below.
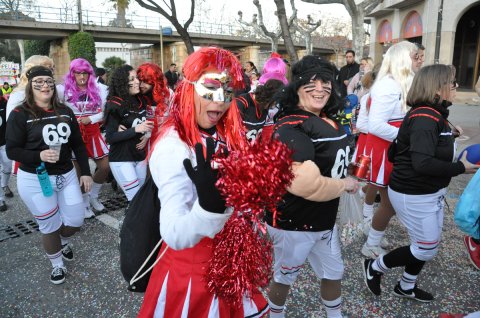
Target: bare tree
(13, 7)
(334, 34)
(260, 28)
(306, 29)
(357, 12)
(170, 13)
(285, 26)
(66, 9)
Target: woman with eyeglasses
(304, 226)
(203, 120)
(87, 99)
(125, 122)
(41, 135)
(387, 109)
(424, 163)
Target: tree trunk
(22, 52)
(358, 34)
(121, 20)
(274, 44)
(185, 37)
(287, 38)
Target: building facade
(417, 21)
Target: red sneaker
(473, 250)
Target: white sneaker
(88, 213)
(372, 251)
(97, 205)
(384, 243)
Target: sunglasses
(80, 73)
(214, 87)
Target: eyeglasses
(40, 82)
(215, 87)
(83, 73)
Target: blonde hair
(428, 82)
(397, 63)
(369, 62)
(34, 60)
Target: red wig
(152, 74)
(182, 115)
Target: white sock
(95, 190)
(333, 307)
(379, 265)
(56, 259)
(64, 240)
(374, 237)
(367, 211)
(408, 281)
(275, 310)
(86, 200)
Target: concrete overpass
(55, 25)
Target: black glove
(204, 178)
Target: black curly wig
(264, 93)
(118, 84)
(308, 68)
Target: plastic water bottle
(44, 180)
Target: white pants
(64, 206)
(6, 165)
(422, 215)
(292, 248)
(130, 176)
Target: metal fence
(110, 19)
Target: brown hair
(428, 82)
(369, 78)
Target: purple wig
(274, 68)
(73, 93)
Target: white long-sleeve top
(16, 99)
(95, 116)
(386, 106)
(183, 222)
(362, 119)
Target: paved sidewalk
(95, 287)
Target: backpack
(140, 236)
(467, 210)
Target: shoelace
(57, 271)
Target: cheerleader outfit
(253, 115)
(127, 163)
(26, 137)
(97, 148)
(362, 126)
(177, 286)
(384, 119)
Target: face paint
(215, 87)
(38, 84)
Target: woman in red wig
(153, 87)
(203, 119)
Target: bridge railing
(109, 19)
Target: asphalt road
(95, 287)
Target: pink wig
(274, 68)
(182, 110)
(73, 93)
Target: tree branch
(192, 11)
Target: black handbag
(140, 237)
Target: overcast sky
(224, 11)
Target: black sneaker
(3, 206)
(372, 277)
(8, 192)
(67, 252)
(58, 275)
(414, 293)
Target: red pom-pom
(252, 180)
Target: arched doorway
(466, 53)
(384, 35)
(412, 28)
